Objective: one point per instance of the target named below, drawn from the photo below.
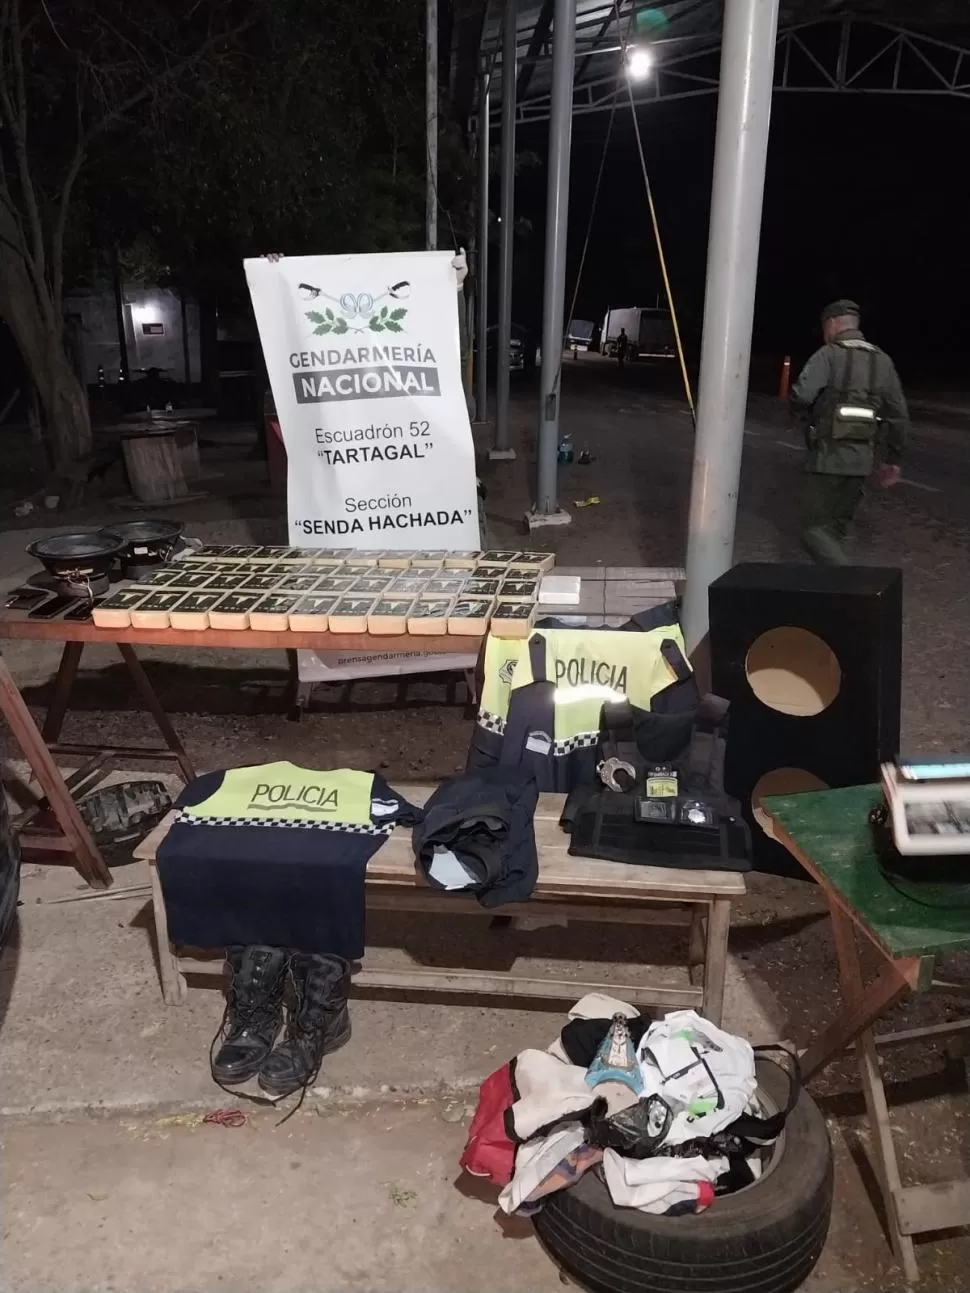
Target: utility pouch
(855, 411)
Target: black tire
(764, 1239)
(9, 870)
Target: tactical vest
(541, 699)
(603, 823)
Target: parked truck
(579, 334)
(649, 329)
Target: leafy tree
(194, 135)
(74, 75)
(309, 140)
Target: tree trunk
(66, 412)
(63, 399)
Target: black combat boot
(318, 1023)
(254, 1012)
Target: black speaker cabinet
(810, 659)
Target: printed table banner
(364, 364)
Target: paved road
(649, 401)
(936, 470)
(639, 430)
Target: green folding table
(828, 832)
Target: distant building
(153, 326)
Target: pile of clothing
(666, 1112)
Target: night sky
(864, 198)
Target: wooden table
(572, 888)
(609, 596)
(828, 832)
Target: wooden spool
(160, 461)
(187, 443)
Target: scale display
(934, 770)
(929, 805)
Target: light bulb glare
(639, 61)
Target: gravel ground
(229, 708)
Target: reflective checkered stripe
(582, 741)
(277, 823)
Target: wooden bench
(577, 889)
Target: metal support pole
(546, 510)
(467, 303)
(124, 370)
(186, 353)
(503, 448)
(842, 65)
(481, 272)
(740, 153)
(431, 124)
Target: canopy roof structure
(573, 57)
(864, 47)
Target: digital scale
(929, 805)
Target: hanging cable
(656, 225)
(589, 230)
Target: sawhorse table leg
(61, 694)
(300, 693)
(909, 1210)
(883, 1150)
(60, 700)
(147, 692)
(76, 836)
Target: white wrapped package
(705, 1075)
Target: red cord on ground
(226, 1117)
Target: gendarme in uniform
(850, 399)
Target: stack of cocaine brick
(313, 590)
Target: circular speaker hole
(793, 671)
(783, 781)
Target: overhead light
(639, 61)
(146, 312)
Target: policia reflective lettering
(542, 699)
(282, 792)
(587, 667)
(276, 854)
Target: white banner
(364, 363)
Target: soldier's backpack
(852, 412)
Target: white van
(650, 331)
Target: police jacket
(542, 698)
(850, 370)
(483, 823)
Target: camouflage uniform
(846, 371)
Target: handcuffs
(607, 769)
